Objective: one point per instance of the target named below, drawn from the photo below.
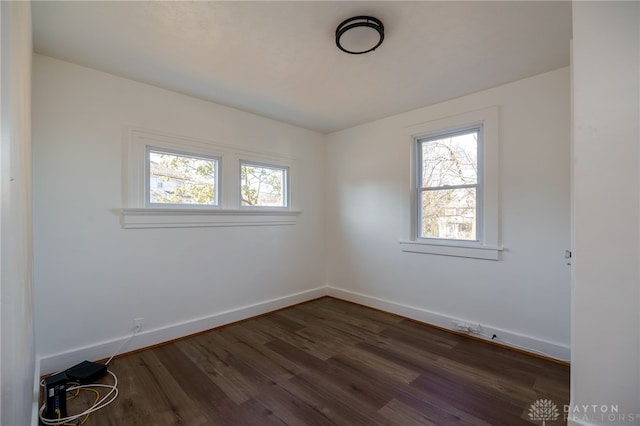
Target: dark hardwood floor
(330, 362)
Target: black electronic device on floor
(56, 396)
(86, 372)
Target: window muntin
(263, 185)
(175, 178)
(449, 185)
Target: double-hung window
(449, 192)
(455, 176)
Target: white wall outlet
(137, 324)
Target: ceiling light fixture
(360, 34)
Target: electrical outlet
(137, 324)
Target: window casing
(221, 205)
(484, 241)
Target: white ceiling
(279, 59)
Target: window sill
(452, 249)
(197, 218)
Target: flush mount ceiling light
(360, 34)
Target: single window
(449, 186)
(179, 178)
(263, 185)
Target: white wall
(606, 303)
(17, 345)
(93, 277)
(103, 276)
(525, 297)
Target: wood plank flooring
(329, 362)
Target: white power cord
(106, 400)
(135, 331)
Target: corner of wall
(509, 338)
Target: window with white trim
(449, 185)
(175, 181)
(263, 185)
(454, 209)
(174, 178)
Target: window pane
(182, 179)
(449, 213)
(451, 160)
(262, 185)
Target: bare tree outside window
(182, 179)
(448, 188)
(262, 185)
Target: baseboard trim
(149, 338)
(531, 345)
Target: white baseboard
(55, 362)
(507, 338)
(101, 350)
(51, 363)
